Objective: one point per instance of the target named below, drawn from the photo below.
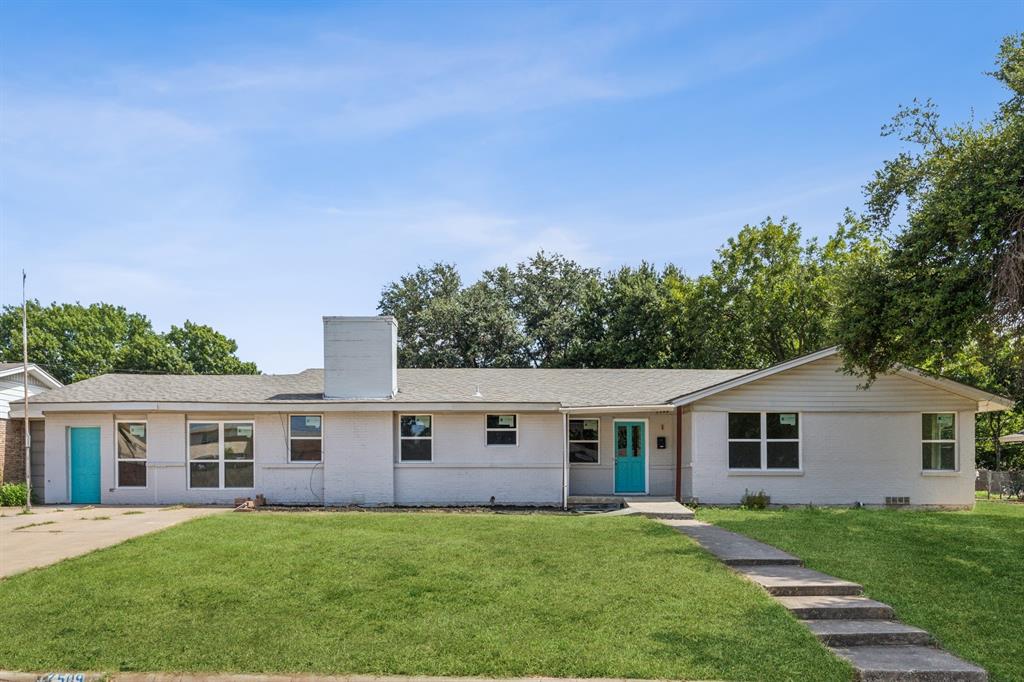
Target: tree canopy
(75, 342)
(770, 296)
(955, 271)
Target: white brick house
(361, 431)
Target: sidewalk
(223, 677)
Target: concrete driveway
(54, 533)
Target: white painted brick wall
(847, 457)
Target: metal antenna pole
(24, 377)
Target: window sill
(584, 464)
(940, 472)
(765, 472)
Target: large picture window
(502, 429)
(221, 454)
(131, 454)
(415, 438)
(584, 441)
(305, 438)
(938, 441)
(764, 441)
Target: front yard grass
(959, 575)
(396, 593)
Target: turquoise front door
(630, 458)
(85, 465)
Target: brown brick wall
(12, 451)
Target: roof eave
(293, 406)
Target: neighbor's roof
(13, 368)
(1013, 438)
(569, 387)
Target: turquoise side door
(85, 465)
(630, 457)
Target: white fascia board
(17, 411)
(617, 409)
(987, 402)
(299, 407)
(754, 376)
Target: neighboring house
(12, 439)
(1012, 438)
(361, 431)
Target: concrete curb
(9, 676)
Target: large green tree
(628, 320)
(527, 315)
(442, 324)
(952, 207)
(770, 295)
(75, 342)
(548, 295)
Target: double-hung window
(938, 441)
(764, 440)
(131, 454)
(584, 441)
(220, 454)
(502, 429)
(415, 438)
(305, 438)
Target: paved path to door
(54, 533)
(863, 631)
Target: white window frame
(118, 459)
(955, 441)
(764, 440)
(220, 452)
(291, 438)
(488, 430)
(401, 459)
(596, 442)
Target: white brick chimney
(360, 357)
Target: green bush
(13, 495)
(758, 500)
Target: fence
(1010, 483)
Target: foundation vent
(897, 501)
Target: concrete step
(797, 581)
(849, 632)
(658, 508)
(909, 664)
(731, 548)
(834, 607)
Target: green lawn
(395, 593)
(959, 575)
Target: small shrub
(758, 500)
(13, 495)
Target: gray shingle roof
(570, 387)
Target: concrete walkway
(54, 533)
(859, 629)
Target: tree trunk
(997, 430)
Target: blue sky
(254, 166)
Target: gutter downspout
(565, 461)
(679, 455)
